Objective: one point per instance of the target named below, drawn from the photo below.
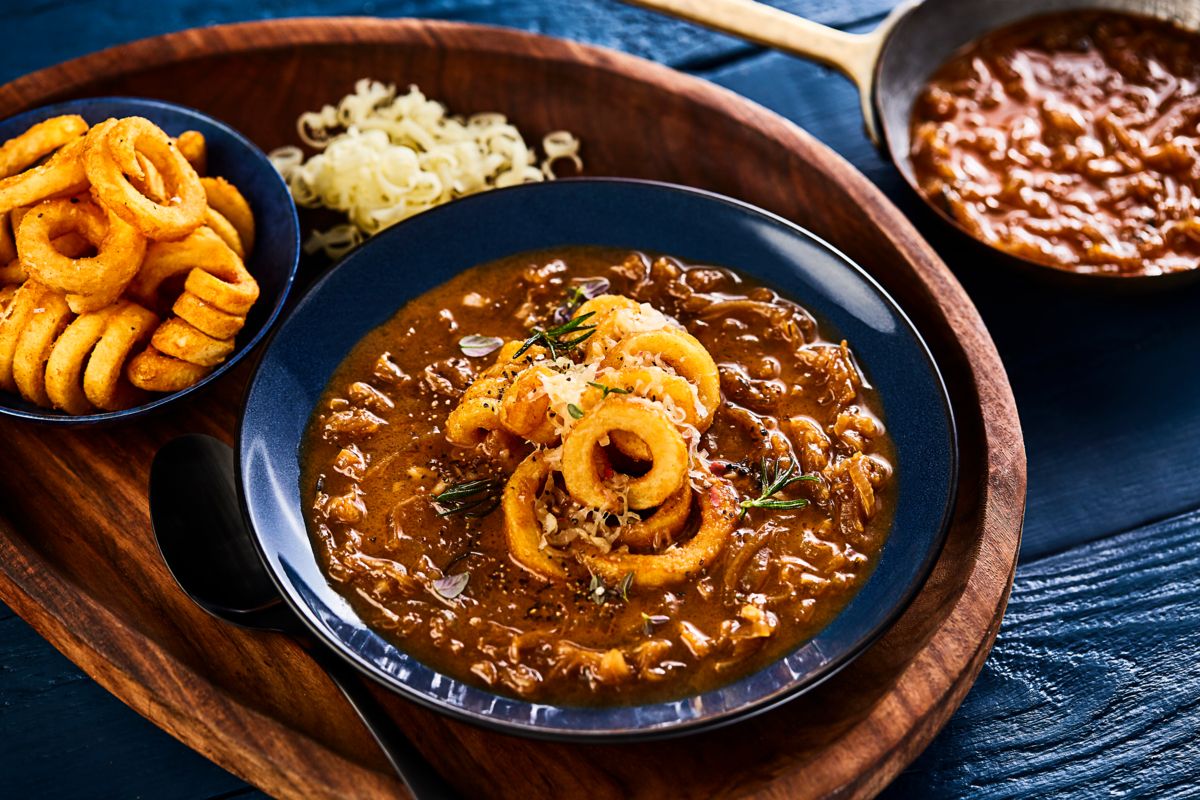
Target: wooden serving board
(78, 561)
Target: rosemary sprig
(771, 481)
(474, 498)
(560, 338)
(608, 389)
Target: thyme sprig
(608, 389)
(561, 338)
(474, 498)
(771, 481)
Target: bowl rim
(60, 418)
(677, 728)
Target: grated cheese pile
(386, 157)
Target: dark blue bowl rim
(774, 699)
(135, 103)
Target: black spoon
(204, 541)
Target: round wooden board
(77, 558)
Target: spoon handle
(422, 780)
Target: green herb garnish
(575, 411)
(597, 590)
(608, 389)
(771, 482)
(560, 338)
(474, 498)
(624, 585)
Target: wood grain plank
(1104, 401)
(37, 35)
(1093, 687)
(64, 736)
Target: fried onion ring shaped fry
(663, 526)
(21, 152)
(522, 529)
(182, 340)
(129, 327)
(222, 227)
(207, 318)
(477, 414)
(603, 309)
(69, 357)
(214, 273)
(111, 163)
(36, 342)
(19, 311)
(224, 198)
(680, 351)
(718, 519)
(654, 384)
(194, 149)
(90, 283)
(525, 407)
(155, 372)
(669, 455)
(63, 174)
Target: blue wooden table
(1093, 688)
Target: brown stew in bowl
(1070, 140)
(589, 476)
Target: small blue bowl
(370, 285)
(230, 155)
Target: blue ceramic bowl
(370, 285)
(230, 155)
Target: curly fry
(21, 308)
(33, 349)
(667, 472)
(155, 372)
(62, 175)
(180, 339)
(129, 325)
(226, 200)
(69, 357)
(90, 283)
(194, 149)
(112, 154)
(23, 151)
(718, 518)
(521, 527)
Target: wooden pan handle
(852, 53)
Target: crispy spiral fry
(82, 292)
(56, 359)
(90, 283)
(208, 314)
(645, 386)
(683, 353)
(193, 147)
(522, 529)
(718, 518)
(62, 175)
(112, 154)
(669, 455)
(226, 200)
(17, 314)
